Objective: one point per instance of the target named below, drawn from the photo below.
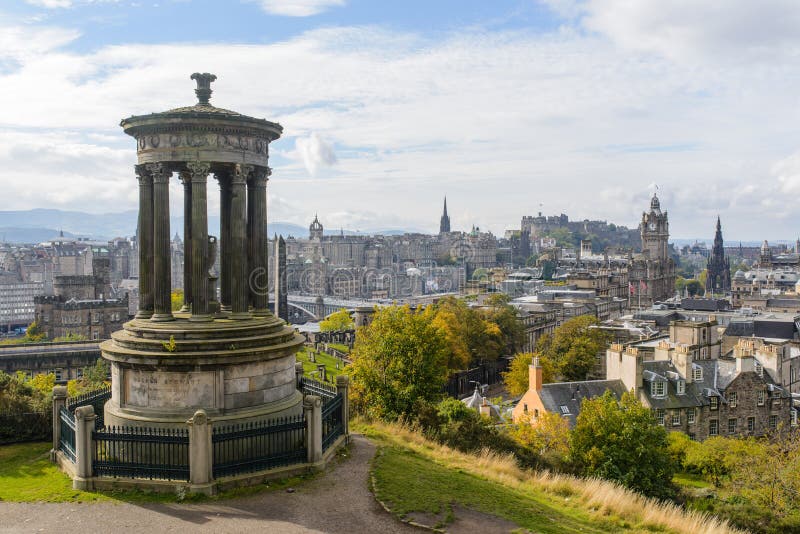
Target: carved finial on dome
(203, 90)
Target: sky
(508, 107)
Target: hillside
(420, 481)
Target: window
(681, 387)
(760, 398)
(714, 403)
(690, 414)
(791, 369)
(95, 335)
(58, 374)
(525, 408)
(535, 412)
(759, 369)
(794, 417)
(751, 424)
(732, 400)
(731, 426)
(692, 436)
(676, 418)
(697, 374)
(713, 427)
(79, 373)
(659, 413)
(657, 388)
(564, 409)
(773, 422)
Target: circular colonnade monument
(232, 358)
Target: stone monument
(233, 359)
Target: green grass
(323, 358)
(408, 482)
(690, 480)
(26, 475)
(340, 347)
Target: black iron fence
(66, 441)
(250, 447)
(313, 387)
(97, 399)
(332, 421)
(151, 453)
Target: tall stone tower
(718, 267)
(444, 222)
(655, 231)
(315, 229)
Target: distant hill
(37, 225)
(10, 234)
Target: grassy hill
(429, 483)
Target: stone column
(240, 290)
(259, 263)
(59, 401)
(343, 388)
(84, 452)
(162, 303)
(312, 407)
(186, 178)
(145, 234)
(199, 175)
(225, 240)
(251, 223)
(201, 474)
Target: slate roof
(570, 394)
(740, 329)
(664, 370)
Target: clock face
(652, 226)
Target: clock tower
(655, 231)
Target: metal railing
(66, 442)
(313, 387)
(151, 453)
(250, 447)
(97, 399)
(332, 421)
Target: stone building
(444, 223)
(82, 305)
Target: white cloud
(315, 152)
(50, 4)
(298, 8)
(498, 121)
(688, 30)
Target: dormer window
(564, 409)
(681, 387)
(658, 388)
(760, 370)
(697, 374)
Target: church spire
(444, 222)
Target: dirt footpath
(337, 502)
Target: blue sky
(577, 106)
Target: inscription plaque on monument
(170, 390)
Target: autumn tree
(621, 441)
(571, 351)
(398, 360)
(547, 436)
(337, 321)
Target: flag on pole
(642, 285)
(630, 288)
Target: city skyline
(508, 109)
